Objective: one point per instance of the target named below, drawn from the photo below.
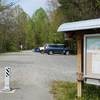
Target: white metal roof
(80, 25)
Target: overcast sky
(30, 6)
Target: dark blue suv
(56, 49)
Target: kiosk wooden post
(79, 65)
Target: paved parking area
(32, 74)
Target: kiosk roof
(80, 25)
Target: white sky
(30, 6)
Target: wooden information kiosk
(87, 35)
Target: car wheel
(66, 53)
(41, 51)
(50, 52)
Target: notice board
(92, 56)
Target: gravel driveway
(32, 74)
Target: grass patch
(62, 90)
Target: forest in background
(18, 28)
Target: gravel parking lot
(32, 74)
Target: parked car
(36, 49)
(56, 49)
(41, 49)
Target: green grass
(67, 91)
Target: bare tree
(6, 5)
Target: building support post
(79, 65)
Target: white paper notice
(96, 63)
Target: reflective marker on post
(7, 78)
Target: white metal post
(7, 78)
